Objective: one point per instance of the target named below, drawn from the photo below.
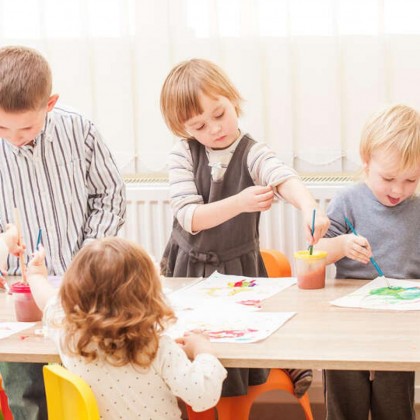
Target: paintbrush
(311, 247)
(21, 256)
(39, 239)
(372, 260)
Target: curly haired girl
(108, 321)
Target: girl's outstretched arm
(294, 191)
(41, 289)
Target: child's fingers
(180, 340)
(360, 255)
(265, 205)
(265, 200)
(265, 195)
(39, 256)
(322, 223)
(357, 250)
(362, 241)
(363, 246)
(268, 196)
(308, 235)
(265, 189)
(41, 251)
(20, 249)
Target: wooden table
(319, 336)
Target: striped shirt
(66, 183)
(264, 167)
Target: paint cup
(26, 309)
(310, 269)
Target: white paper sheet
(229, 326)
(403, 295)
(222, 289)
(9, 328)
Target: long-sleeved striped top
(264, 167)
(66, 183)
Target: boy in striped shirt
(56, 169)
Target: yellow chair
(238, 408)
(69, 397)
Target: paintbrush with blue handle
(372, 260)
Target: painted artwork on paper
(228, 326)
(400, 295)
(246, 291)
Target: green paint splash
(397, 293)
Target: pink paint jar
(310, 269)
(26, 309)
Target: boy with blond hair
(56, 169)
(384, 209)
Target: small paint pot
(26, 310)
(310, 269)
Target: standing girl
(108, 322)
(220, 181)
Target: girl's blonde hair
(395, 128)
(180, 95)
(25, 79)
(113, 303)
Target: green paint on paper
(397, 293)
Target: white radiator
(149, 217)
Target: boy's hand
(255, 198)
(11, 239)
(357, 248)
(37, 265)
(194, 344)
(322, 223)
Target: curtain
(311, 71)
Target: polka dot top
(131, 392)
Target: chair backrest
(239, 408)
(69, 397)
(276, 263)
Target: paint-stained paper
(402, 295)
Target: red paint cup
(26, 309)
(310, 269)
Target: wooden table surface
(319, 336)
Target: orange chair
(238, 408)
(276, 263)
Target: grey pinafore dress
(230, 248)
